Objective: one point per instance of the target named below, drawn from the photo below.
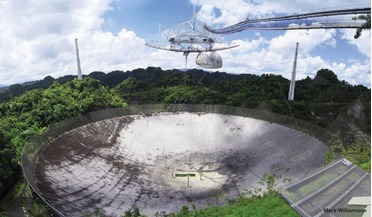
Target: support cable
(289, 106)
(197, 84)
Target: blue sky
(148, 15)
(37, 38)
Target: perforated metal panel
(259, 153)
(327, 191)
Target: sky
(38, 38)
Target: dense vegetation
(317, 100)
(33, 111)
(358, 152)
(250, 203)
(269, 204)
(29, 108)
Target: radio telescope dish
(209, 60)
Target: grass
(268, 205)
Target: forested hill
(319, 100)
(151, 77)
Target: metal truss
(314, 20)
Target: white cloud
(309, 40)
(37, 40)
(37, 37)
(358, 73)
(206, 13)
(276, 56)
(363, 43)
(277, 53)
(234, 11)
(231, 11)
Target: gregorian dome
(210, 60)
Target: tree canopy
(32, 112)
(366, 25)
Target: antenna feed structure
(192, 37)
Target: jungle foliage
(266, 205)
(359, 152)
(317, 100)
(32, 112)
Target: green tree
(358, 152)
(129, 85)
(38, 210)
(366, 25)
(32, 112)
(135, 212)
(328, 75)
(187, 94)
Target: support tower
(78, 61)
(293, 79)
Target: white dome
(210, 61)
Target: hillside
(30, 113)
(27, 109)
(323, 97)
(324, 100)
